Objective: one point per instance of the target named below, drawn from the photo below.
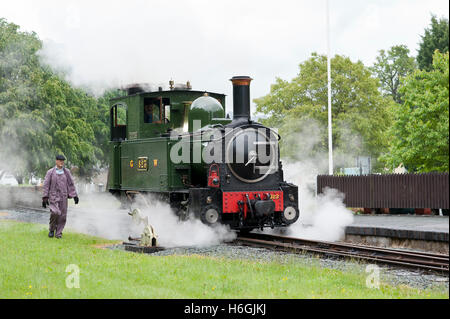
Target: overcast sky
(110, 42)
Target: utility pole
(330, 141)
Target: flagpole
(330, 141)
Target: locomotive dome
(206, 108)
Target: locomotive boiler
(178, 145)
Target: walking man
(58, 186)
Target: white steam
(100, 215)
(323, 216)
(173, 232)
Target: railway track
(396, 257)
(34, 209)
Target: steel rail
(36, 209)
(442, 257)
(426, 261)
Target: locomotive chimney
(241, 97)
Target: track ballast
(396, 257)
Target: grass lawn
(34, 266)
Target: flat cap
(60, 157)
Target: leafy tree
(41, 114)
(420, 135)
(359, 111)
(435, 38)
(390, 66)
(20, 112)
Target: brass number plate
(142, 164)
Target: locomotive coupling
(264, 208)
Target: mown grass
(34, 266)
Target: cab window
(152, 111)
(157, 110)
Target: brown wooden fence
(428, 190)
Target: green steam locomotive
(178, 145)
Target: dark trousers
(58, 216)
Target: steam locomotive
(178, 145)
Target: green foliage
(435, 38)
(41, 114)
(390, 67)
(420, 135)
(299, 109)
(20, 113)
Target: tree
(359, 111)
(420, 135)
(390, 66)
(20, 112)
(41, 114)
(435, 38)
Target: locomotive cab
(141, 124)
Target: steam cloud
(173, 232)
(322, 217)
(101, 216)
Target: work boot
(51, 233)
